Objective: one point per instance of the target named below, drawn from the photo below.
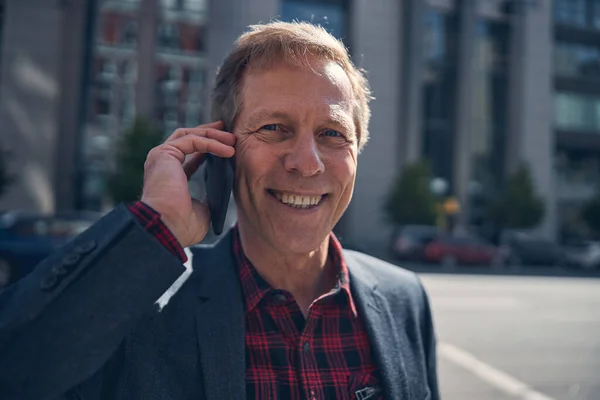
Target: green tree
(410, 200)
(125, 183)
(590, 213)
(518, 207)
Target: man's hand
(167, 170)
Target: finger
(181, 131)
(192, 163)
(191, 144)
(221, 136)
(218, 126)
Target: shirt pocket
(364, 387)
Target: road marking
(475, 303)
(493, 376)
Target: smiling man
(276, 309)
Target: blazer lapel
(387, 339)
(220, 323)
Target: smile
(297, 201)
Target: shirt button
(306, 347)
(279, 298)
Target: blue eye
(331, 132)
(270, 127)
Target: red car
(457, 250)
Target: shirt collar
(255, 287)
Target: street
(516, 337)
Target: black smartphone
(218, 178)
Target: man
(276, 309)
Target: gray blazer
(85, 324)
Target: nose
(304, 157)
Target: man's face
(296, 153)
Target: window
(580, 13)
(578, 166)
(435, 37)
(195, 5)
(492, 44)
(577, 112)
(328, 13)
(490, 82)
(168, 4)
(196, 78)
(438, 93)
(130, 71)
(184, 5)
(130, 34)
(168, 36)
(104, 86)
(596, 15)
(170, 122)
(192, 113)
(577, 61)
(570, 12)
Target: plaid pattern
(150, 220)
(325, 356)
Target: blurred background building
(473, 86)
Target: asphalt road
(517, 337)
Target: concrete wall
(70, 108)
(377, 46)
(531, 91)
(227, 20)
(464, 133)
(410, 149)
(29, 93)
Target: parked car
(27, 238)
(584, 256)
(526, 249)
(408, 242)
(452, 250)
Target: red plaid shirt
(150, 220)
(325, 356)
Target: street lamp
(438, 186)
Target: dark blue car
(26, 239)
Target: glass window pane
(577, 61)
(596, 116)
(435, 37)
(596, 15)
(575, 111)
(568, 111)
(329, 14)
(563, 62)
(570, 12)
(195, 5)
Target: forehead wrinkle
(264, 114)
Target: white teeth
(298, 201)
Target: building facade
(476, 87)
